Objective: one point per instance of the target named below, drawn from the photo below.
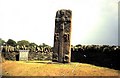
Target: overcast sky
(93, 21)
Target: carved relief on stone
(66, 52)
(66, 58)
(57, 19)
(62, 35)
(66, 37)
(66, 26)
(62, 26)
(62, 12)
(56, 36)
(55, 56)
(68, 13)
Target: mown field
(47, 68)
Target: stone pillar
(62, 36)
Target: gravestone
(62, 36)
(23, 55)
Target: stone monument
(23, 55)
(62, 36)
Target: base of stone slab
(58, 63)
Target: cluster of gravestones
(107, 56)
(41, 54)
(9, 52)
(35, 53)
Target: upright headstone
(62, 36)
(23, 55)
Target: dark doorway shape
(17, 57)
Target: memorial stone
(23, 55)
(62, 36)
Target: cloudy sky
(93, 21)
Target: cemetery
(63, 52)
(105, 55)
(16, 55)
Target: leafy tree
(32, 47)
(79, 45)
(1, 41)
(44, 45)
(33, 44)
(11, 42)
(23, 43)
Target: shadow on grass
(47, 62)
(43, 62)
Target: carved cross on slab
(62, 34)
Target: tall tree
(33, 44)
(11, 42)
(1, 41)
(23, 43)
(44, 45)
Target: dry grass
(43, 68)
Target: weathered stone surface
(23, 55)
(62, 36)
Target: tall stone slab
(62, 36)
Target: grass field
(46, 68)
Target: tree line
(21, 44)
